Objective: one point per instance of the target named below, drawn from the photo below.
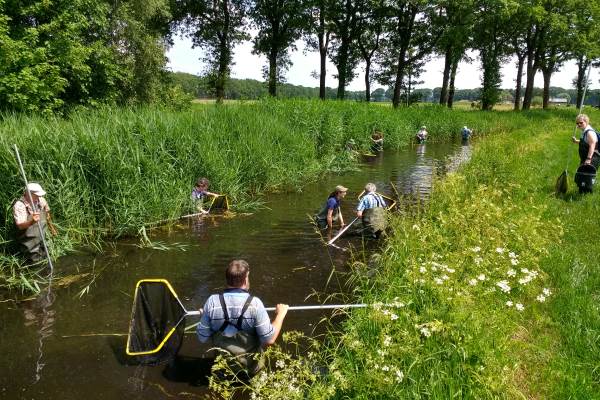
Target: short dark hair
(236, 273)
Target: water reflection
(38, 314)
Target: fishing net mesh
(220, 202)
(157, 315)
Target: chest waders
(244, 346)
(374, 219)
(584, 147)
(30, 241)
(321, 217)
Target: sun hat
(340, 188)
(36, 189)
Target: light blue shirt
(370, 200)
(255, 320)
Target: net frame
(220, 201)
(390, 201)
(129, 350)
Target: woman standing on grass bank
(331, 210)
(588, 143)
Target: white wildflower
(503, 285)
(416, 228)
(433, 268)
(481, 277)
(382, 353)
(387, 340)
(476, 249)
(509, 303)
(399, 376)
(541, 298)
(393, 317)
(499, 250)
(547, 292)
(519, 307)
(524, 270)
(511, 272)
(526, 280)
(385, 368)
(512, 255)
(514, 261)
(438, 281)
(422, 270)
(280, 364)
(478, 260)
(445, 277)
(425, 331)
(450, 270)
(472, 282)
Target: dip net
(157, 325)
(219, 202)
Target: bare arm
(592, 140)
(281, 310)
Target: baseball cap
(340, 188)
(36, 189)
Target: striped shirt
(255, 319)
(370, 200)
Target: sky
(183, 58)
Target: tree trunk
(342, 67)
(323, 45)
(273, 73)
(368, 80)
(547, 73)
(520, 65)
(224, 55)
(452, 79)
(582, 66)
(531, 71)
(398, 82)
(446, 76)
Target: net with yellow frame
(157, 323)
(219, 202)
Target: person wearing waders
(331, 211)
(200, 194)
(421, 135)
(26, 216)
(588, 145)
(371, 209)
(466, 133)
(238, 323)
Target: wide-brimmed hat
(36, 189)
(340, 188)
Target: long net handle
(39, 224)
(340, 233)
(587, 79)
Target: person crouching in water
(376, 142)
(238, 323)
(588, 143)
(421, 135)
(371, 209)
(200, 194)
(466, 133)
(26, 216)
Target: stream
(71, 345)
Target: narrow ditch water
(57, 346)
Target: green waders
(321, 217)
(30, 240)
(243, 346)
(374, 221)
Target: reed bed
(489, 292)
(109, 172)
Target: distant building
(558, 101)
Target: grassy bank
(491, 292)
(109, 172)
